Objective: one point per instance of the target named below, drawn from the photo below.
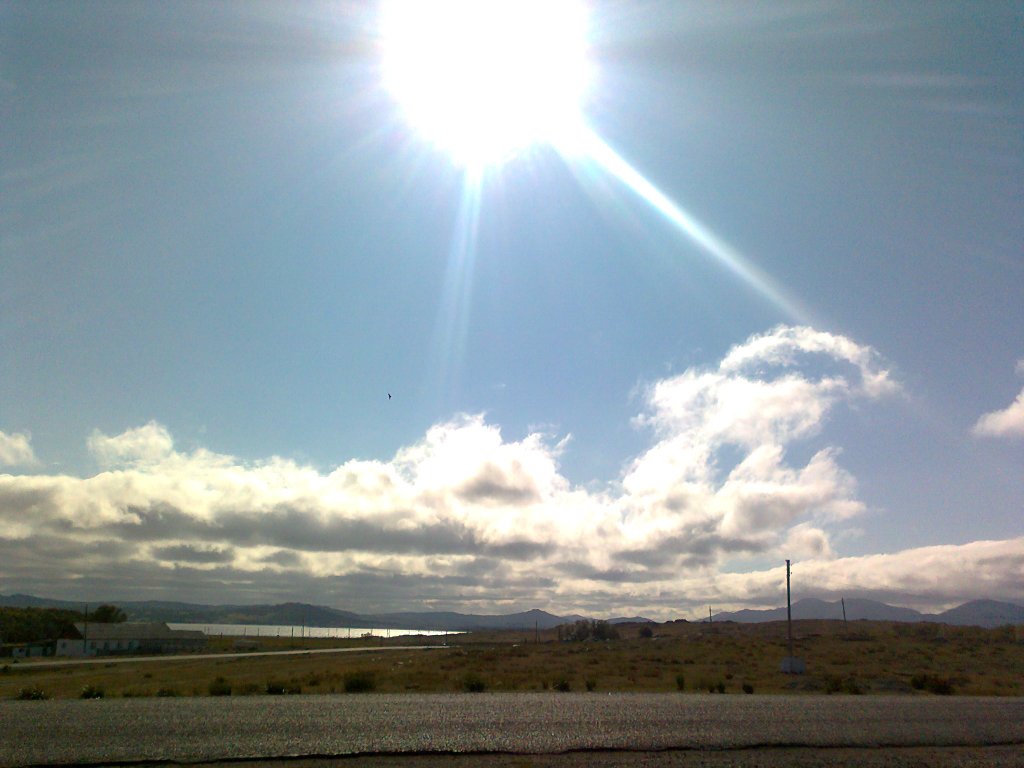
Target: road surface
(130, 659)
(211, 729)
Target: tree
(108, 614)
(588, 629)
(30, 625)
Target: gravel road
(210, 729)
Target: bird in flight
(389, 395)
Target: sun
(485, 80)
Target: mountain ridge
(979, 613)
(295, 614)
(983, 613)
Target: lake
(279, 630)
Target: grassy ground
(863, 657)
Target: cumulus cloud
(146, 444)
(468, 517)
(1009, 422)
(16, 450)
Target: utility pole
(710, 620)
(791, 665)
(789, 613)
(843, 601)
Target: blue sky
(224, 244)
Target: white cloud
(16, 450)
(468, 517)
(1008, 422)
(146, 444)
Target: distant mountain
(981, 613)
(463, 621)
(296, 614)
(28, 601)
(631, 620)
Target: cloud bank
(466, 518)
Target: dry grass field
(859, 658)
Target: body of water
(278, 630)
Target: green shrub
(681, 682)
(359, 682)
(91, 692)
(248, 689)
(563, 686)
(591, 685)
(275, 687)
(167, 692)
(748, 688)
(219, 687)
(720, 687)
(35, 693)
(646, 632)
(474, 683)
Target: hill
(977, 613)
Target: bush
(937, 685)
(35, 693)
(837, 684)
(474, 683)
(275, 688)
(851, 686)
(681, 682)
(591, 685)
(5, 669)
(359, 682)
(219, 687)
(720, 687)
(91, 692)
(748, 688)
(166, 692)
(646, 632)
(563, 686)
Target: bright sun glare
(485, 79)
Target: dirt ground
(1011, 756)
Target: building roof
(134, 630)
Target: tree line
(30, 625)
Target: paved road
(208, 729)
(129, 659)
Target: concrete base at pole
(792, 665)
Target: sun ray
(453, 313)
(585, 146)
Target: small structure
(129, 637)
